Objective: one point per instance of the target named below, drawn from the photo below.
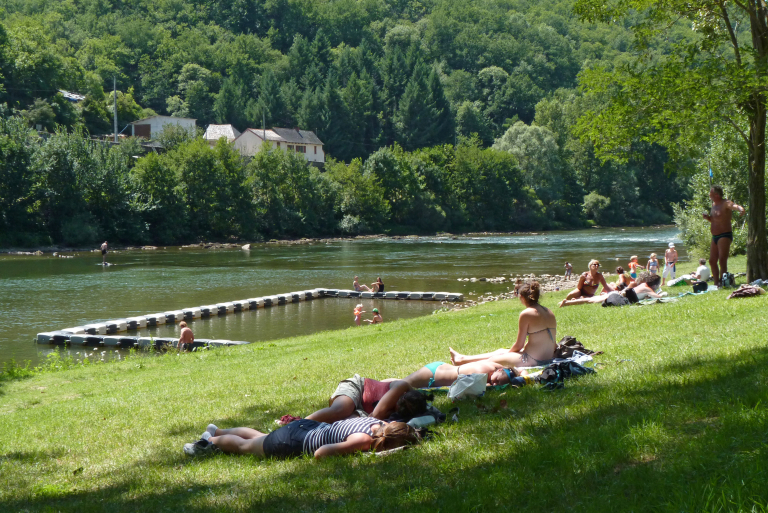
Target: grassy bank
(675, 419)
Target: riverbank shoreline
(672, 419)
(43, 250)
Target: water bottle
(421, 422)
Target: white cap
(671, 244)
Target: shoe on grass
(200, 448)
(212, 429)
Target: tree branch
(734, 42)
(739, 130)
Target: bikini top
(586, 275)
(548, 331)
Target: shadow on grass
(695, 440)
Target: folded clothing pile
(746, 291)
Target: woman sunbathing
(644, 287)
(306, 436)
(536, 323)
(589, 282)
(440, 374)
(363, 397)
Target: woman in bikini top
(539, 348)
(589, 282)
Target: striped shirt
(337, 432)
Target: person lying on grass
(644, 287)
(363, 397)
(306, 436)
(440, 374)
(537, 323)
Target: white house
(150, 127)
(215, 132)
(287, 139)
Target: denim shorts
(288, 441)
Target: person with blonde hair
(536, 323)
(653, 264)
(589, 282)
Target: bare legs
(583, 300)
(718, 253)
(460, 359)
(240, 440)
(342, 407)
(574, 294)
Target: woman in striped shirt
(306, 436)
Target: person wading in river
(104, 253)
(719, 218)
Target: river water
(44, 293)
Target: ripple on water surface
(47, 293)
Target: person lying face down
(306, 436)
(363, 397)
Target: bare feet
(562, 303)
(456, 357)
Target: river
(45, 293)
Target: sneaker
(206, 435)
(211, 429)
(200, 448)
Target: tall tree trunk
(757, 243)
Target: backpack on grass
(554, 375)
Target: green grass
(675, 420)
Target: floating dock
(104, 333)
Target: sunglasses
(596, 265)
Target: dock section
(105, 333)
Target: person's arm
(522, 332)
(388, 403)
(738, 208)
(606, 288)
(354, 443)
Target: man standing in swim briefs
(104, 253)
(719, 218)
(670, 261)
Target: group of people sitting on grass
(632, 286)
(361, 412)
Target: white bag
(468, 385)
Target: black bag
(568, 345)
(615, 299)
(632, 296)
(554, 375)
(700, 286)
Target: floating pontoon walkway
(103, 333)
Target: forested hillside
(376, 80)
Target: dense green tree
(17, 182)
(536, 152)
(213, 187)
(230, 104)
(335, 128)
(674, 97)
(361, 200)
(471, 120)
